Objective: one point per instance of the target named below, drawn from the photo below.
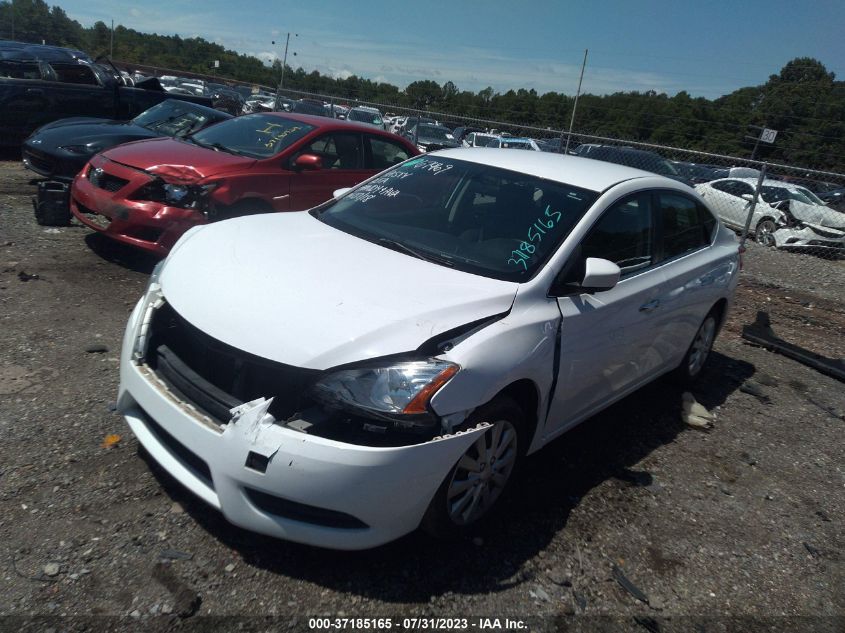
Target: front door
(608, 338)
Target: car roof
(596, 175)
(24, 51)
(766, 183)
(324, 122)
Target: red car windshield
(254, 135)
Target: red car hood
(178, 162)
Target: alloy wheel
(482, 474)
(701, 345)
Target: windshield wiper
(404, 248)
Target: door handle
(34, 91)
(651, 306)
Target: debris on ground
(623, 581)
(755, 389)
(695, 414)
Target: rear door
(342, 155)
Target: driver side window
(624, 235)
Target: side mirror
(581, 276)
(748, 196)
(339, 192)
(600, 274)
(308, 162)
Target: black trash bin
(52, 203)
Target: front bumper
(808, 238)
(151, 226)
(328, 493)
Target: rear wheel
(474, 487)
(699, 350)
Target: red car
(150, 192)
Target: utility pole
(13, 19)
(284, 66)
(111, 41)
(575, 105)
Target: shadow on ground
(551, 485)
(121, 254)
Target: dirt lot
(738, 528)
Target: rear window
(14, 69)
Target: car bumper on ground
(312, 490)
(150, 226)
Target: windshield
(813, 197)
(432, 131)
(255, 135)
(777, 194)
(172, 118)
(362, 115)
(479, 219)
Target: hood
(817, 214)
(179, 162)
(97, 134)
(76, 120)
(291, 289)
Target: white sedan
(786, 216)
(341, 376)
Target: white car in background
(513, 142)
(340, 376)
(785, 215)
(478, 139)
(366, 115)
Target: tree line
(804, 102)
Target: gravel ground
(733, 529)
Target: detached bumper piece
(760, 333)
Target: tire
(764, 233)
(51, 215)
(699, 350)
(459, 505)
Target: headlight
(390, 392)
(183, 196)
(422, 148)
(78, 149)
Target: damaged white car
(341, 376)
(786, 216)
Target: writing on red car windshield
(277, 134)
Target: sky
(707, 47)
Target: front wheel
(477, 483)
(765, 233)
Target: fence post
(751, 209)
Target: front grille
(215, 376)
(105, 180)
(302, 512)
